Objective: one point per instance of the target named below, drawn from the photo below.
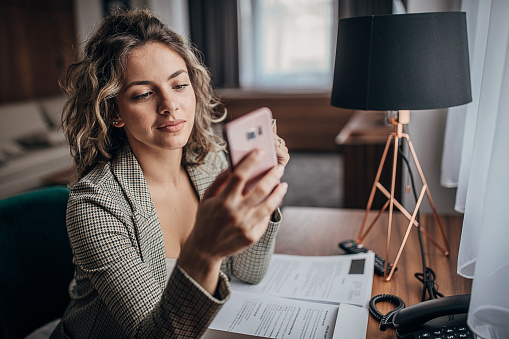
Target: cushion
(52, 109)
(19, 120)
(41, 140)
(9, 149)
(29, 171)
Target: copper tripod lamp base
(398, 119)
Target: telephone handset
(438, 318)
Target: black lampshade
(402, 62)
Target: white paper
(273, 317)
(351, 323)
(318, 278)
(303, 297)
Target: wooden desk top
(317, 231)
(365, 128)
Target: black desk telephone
(438, 318)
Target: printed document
(300, 297)
(270, 317)
(334, 279)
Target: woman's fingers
(242, 172)
(261, 213)
(218, 184)
(272, 202)
(265, 186)
(283, 156)
(229, 220)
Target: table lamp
(398, 63)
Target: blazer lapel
(203, 175)
(146, 223)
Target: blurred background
(273, 53)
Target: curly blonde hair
(92, 84)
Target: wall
(174, 13)
(89, 13)
(36, 39)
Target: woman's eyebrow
(146, 82)
(177, 73)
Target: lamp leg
(428, 193)
(391, 204)
(407, 215)
(403, 243)
(379, 214)
(361, 235)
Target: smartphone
(250, 131)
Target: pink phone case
(250, 131)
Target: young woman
(156, 221)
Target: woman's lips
(172, 126)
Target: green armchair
(35, 260)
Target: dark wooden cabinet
(362, 142)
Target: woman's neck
(160, 167)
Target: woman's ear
(117, 122)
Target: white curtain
(483, 177)
(461, 120)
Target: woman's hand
(281, 150)
(229, 221)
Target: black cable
(429, 284)
(385, 319)
(427, 277)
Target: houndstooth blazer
(119, 288)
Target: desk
(317, 231)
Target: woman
(138, 120)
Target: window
(287, 44)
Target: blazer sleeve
(105, 250)
(251, 264)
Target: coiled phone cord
(385, 319)
(427, 278)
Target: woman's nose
(167, 104)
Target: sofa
(32, 146)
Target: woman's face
(157, 101)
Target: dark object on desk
(438, 318)
(350, 247)
(36, 265)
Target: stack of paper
(301, 297)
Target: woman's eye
(180, 87)
(142, 96)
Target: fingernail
(284, 186)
